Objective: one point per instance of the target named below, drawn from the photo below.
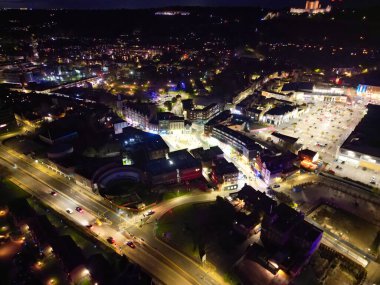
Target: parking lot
(325, 127)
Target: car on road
(69, 211)
(297, 189)
(148, 213)
(79, 209)
(90, 226)
(53, 193)
(131, 244)
(111, 240)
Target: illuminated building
(241, 143)
(225, 173)
(309, 92)
(180, 166)
(271, 167)
(370, 93)
(280, 114)
(311, 7)
(139, 114)
(168, 123)
(362, 148)
(221, 117)
(203, 114)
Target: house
(206, 156)
(269, 167)
(225, 173)
(308, 155)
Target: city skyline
(189, 145)
(142, 4)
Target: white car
(148, 213)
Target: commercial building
(311, 7)
(371, 93)
(362, 147)
(118, 125)
(308, 155)
(241, 143)
(225, 174)
(180, 166)
(139, 114)
(254, 113)
(143, 145)
(168, 123)
(309, 92)
(278, 95)
(272, 167)
(280, 114)
(55, 136)
(206, 156)
(283, 140)
(218, 119)
(294, 238)
(202, 114)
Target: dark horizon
(148, 4)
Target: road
(159, 259)
(156, 257)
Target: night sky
(133, 4)
(114, 4)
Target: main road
(162, 261)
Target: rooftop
(206, 154)
(222, 167)
(298, 86)
(285, 138)
(248, 142)
(307, 152)
(365, 138)
(307, 231)
(143, 108)
(257, 199)
(180, 159)
(278, 162)
(221, 117)
(281, 110)
(286, 218)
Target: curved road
(162, 261)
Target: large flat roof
(365, 138)
(180, 159)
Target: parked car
(111, 240)
(79, 209)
